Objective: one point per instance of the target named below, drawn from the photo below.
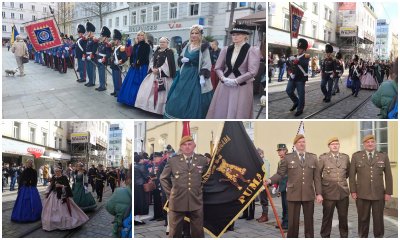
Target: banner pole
(274, 210)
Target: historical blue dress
(139, 61)
(28, 206)
(185, 99)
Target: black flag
(234, 179)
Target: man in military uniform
(368, 167)
(339, 69)
(112, 178)
(328, 73)
(334, 167)
(298, 71)
(101, 177)
(91, 49)
(92, 175)
(303, 186)
(104, 53)
(282, 151)
(181, 181)
(355, 72)
(118, 58)
(80, 53)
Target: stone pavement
(279, 103)
(98, 226)
(253, 229)
(46, 94)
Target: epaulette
(108, 44)
(122, 49)
(313, 154)
(307, 55)
(95, 39)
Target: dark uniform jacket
(78, 51)
(367, 179)
(118, 53)
(182, 184)
(282, 182)
(300, 65)
(91, 48)
(334, 176)
(328, 67)
(104, 52)
(304, 181)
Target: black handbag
(25, 59)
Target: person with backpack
(120, 206)
(385, 97)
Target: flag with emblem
(14, 34)
(43, 34)
(233, 180)
(296, 14)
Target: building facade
(117, 146)
(140, 135)
(318, 27)
(395, 47)
(18, 13)
(44, 141)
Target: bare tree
(64, 15)
(232, 13)
(97, 9)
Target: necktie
(189, 161)
(302, 158)
(337, 159)
(370, 158)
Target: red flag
(296, 14)
(43, 34)
(186, 128)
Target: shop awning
(252, 21)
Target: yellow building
(268, 134)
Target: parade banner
(43, 34)
(14, 34)
(295, 20)
(233, 180)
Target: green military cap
(281, 146)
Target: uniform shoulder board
(324, 154)
(313, 154)
(307, 55)
(122, 49)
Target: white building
(383, 45)
(318, 26)
(43, 141)
(174, 19)
(118, 146)
(20, 12)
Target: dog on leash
(10, 72)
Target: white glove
(292, 76)
(202, 80)
(66, 48)
(86, 189)
(62, 56)
(331, 76)
(263, 100)
(88, 58)
(230, 82)
(274, 190)
(100, 60)
(292, 58)
(83, 59)
(185, 60)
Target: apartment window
(134, 18)
(33, 18)
(44, 9)
(143, 15)
(329, 15)
(12, 15)
(156, 13)
(329, 36)
(193, 9)
(304, 5)
(302, 28)
(33, 7)
(60, 143)
(117, 21)
(379, 129)
(12, 5)
(4, 4)
(125, 20)
(110, 22)
(3, 14)
(21, 5)
(32, 134)
(44, 139)
(286, 22)
(114, 5)
(121, 3)
(325, 34)
(173, 10)
(238, 4)
(326, 14)
(314, 31)
(55, 142)
(17, 130)
(4, 28)
(315, 8)
(21, 29)
(21, 16)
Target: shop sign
(80, 137)
(348, 31)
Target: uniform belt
(335, 179)
(102, 54)
(328, 71)
(338, 71)
(88, 52)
